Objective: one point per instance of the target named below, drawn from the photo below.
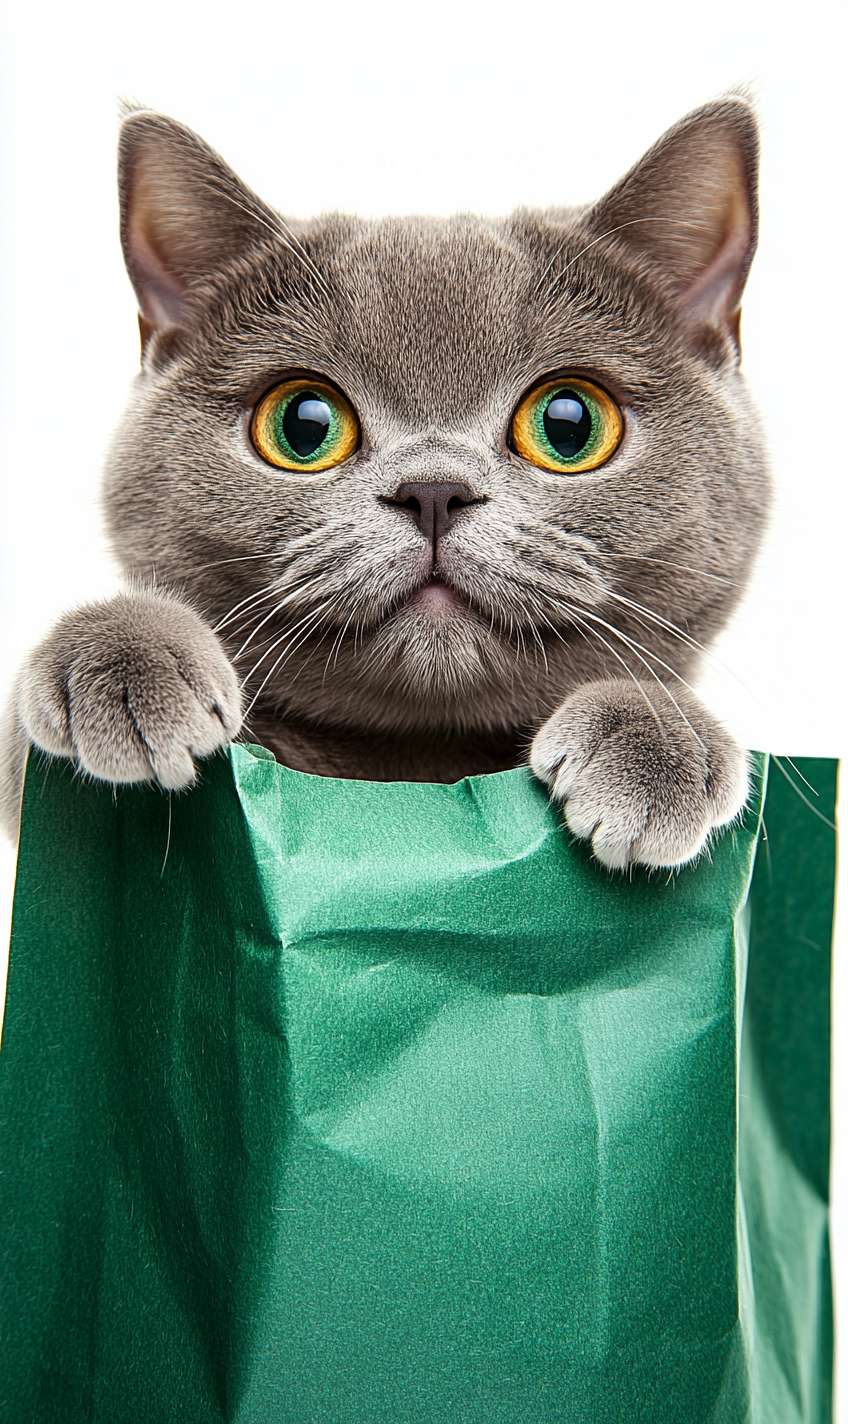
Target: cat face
(467, 561)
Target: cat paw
(646, 782)
(133, 689)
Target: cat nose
(433, 506)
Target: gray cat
(415, 499)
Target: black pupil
(568, 423)
(306, 422)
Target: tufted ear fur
(689, 209)
(184, 214)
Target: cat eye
(567, 425)
(304, 425)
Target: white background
(428, 107)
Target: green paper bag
(331, 1102)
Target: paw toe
(108, 758)
(174, 769)
(729, 784)
(662, 847)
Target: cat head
(434, 473)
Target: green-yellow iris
(304, 425)
(567, 425)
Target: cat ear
(184, 214)
(689, 208)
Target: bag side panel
(785, 1096)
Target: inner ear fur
(689, 208)
(184, 214)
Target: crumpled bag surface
(330, 1102)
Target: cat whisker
(634, 648)
(337, 644)
(297, 591)
(270, 645)
(245, 603)
(800, 774)
(815, 810)
(282, 232)
(521, 645)
(247, 613)
(610, 232)
(293, 238)
(684, 637)
(660, 621)
(296, 246)
(238, 559)
(293, 628)
(307, 660)
(668, 564)
(540, 641)
(287, 652)
(585, 630)
(284, 591)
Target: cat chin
(436, 647)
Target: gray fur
(582, 599)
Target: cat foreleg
(643, 772)
(132, 689)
